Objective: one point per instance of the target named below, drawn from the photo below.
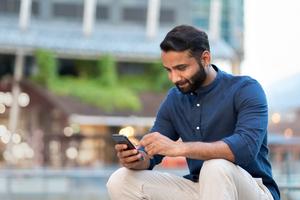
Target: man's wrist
(145, 160)
(182, 149)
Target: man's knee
(117, 179)
(217, 168)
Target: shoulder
(238, 79)
(249, 92)
(240, 82)
(242, 87)
(250, 85)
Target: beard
(192, 84)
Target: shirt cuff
(152, 164)
(240, 149)
(152, 160)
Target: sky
(272, 40)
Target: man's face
(183, 70)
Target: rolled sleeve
(240, 149)
(252, 122)
(153, 161)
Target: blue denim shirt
(232, 109)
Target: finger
(131, 165)
(120, 147)
(151, 153)
(148, 139)
(131, 159)
(150, 149)
(127, 153)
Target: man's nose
(174, 77)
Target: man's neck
(211, 75)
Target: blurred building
(285, 143)
(125, 28)
(231, 16)
(62, 131)
(284, 112)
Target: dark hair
(186, 37)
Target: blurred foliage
(161, 81)
(108, 74)
(154, 79)
(89, 86)
(86, 68)
(89, 91)
(98, 82)
(138, 83)
(47, 67)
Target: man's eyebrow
(180, 65)
(176, 66)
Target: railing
(77, 184)
(290, 192)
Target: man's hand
(132, 159)
(156, 143)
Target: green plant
(98, 83)
(89, 91)
(86, 68)
(107, 71)
(160, 77)
(47, 67)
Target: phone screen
(121, 139)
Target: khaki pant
(219, 180)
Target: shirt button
(197, 127)
(198, 104)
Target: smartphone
(121, 139)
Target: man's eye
(181, 68)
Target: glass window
(68, 10)
(167, 15)
(102, 12)
(135, 14)
(130, 68)
(6, 65)
(35, 8)
(9, 6)
(201, 22)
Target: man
(222, 122)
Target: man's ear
(205, 58)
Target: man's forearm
(207, 151)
